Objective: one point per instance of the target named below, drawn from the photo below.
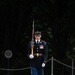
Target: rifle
(32, 43)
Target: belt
(38, 54)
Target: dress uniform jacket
(40, 48)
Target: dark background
(54, 18)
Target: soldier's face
(38, 37)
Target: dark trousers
(36, 71)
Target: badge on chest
(41, 47)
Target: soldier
(40, 54)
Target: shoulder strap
(44, 42)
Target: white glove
(43, 64)
(31, 56)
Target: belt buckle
(37, 54)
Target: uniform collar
(37, 40)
